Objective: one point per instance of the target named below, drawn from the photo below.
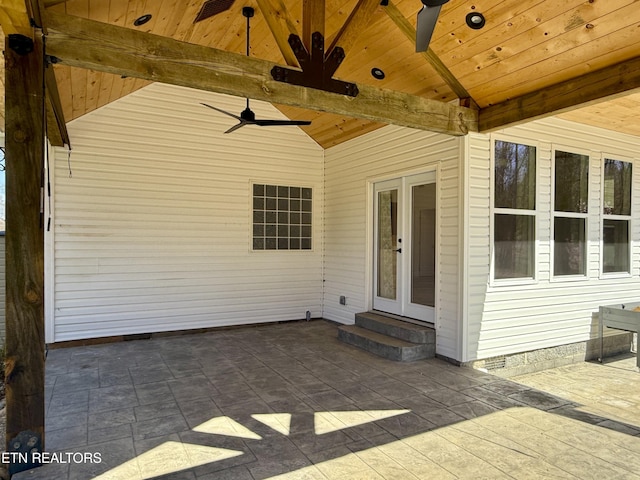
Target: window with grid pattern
(514, 222)
(570, 199)
(282, 217)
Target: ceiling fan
(247, 117)
(427, 19)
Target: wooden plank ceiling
(526, 48)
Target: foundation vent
(495, 363)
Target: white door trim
(406, 180)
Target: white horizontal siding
(349, 169)
(504, 319)
(152, 218)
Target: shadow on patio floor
(291, 401)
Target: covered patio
(290, 401)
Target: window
(514, 210)
(281, 217)
(616, 217)
(570, 199)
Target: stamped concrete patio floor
(289, 401)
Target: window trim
(628, 218)
(568, 278)
(493, 210)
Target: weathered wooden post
(24, 142)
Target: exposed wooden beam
(598, 86)
(15, 17)
(357, 22)
(281, 25)
(56, 126)
(405, 27)
(35, 7)
(313, 12)
(24, 364)
(99, 46)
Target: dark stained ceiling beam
(405, 27)
(102, 47)
(594, 87)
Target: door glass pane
(387, 241)
(423, 246)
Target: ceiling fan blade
(238, 125)
(427, 19)
(270, 123)
(223, 111)
(247, 117)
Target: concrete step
(396, 328)
(385, 346)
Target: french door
(405, 246)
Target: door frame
(371, 240)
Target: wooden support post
(24, 365)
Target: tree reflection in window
(515, 172)
(514, 221)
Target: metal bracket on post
(20, 44)
(22, 449)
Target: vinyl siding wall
(152, 219)
(504, 319)
(350, 170)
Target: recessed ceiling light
(377, 73)
(142, 20)
(475, 20)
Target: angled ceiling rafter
(407, 29)
(353, 26)
(282, 25)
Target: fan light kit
(247, 117)
(142, 19)
(475, 20)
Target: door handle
(398, 250)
